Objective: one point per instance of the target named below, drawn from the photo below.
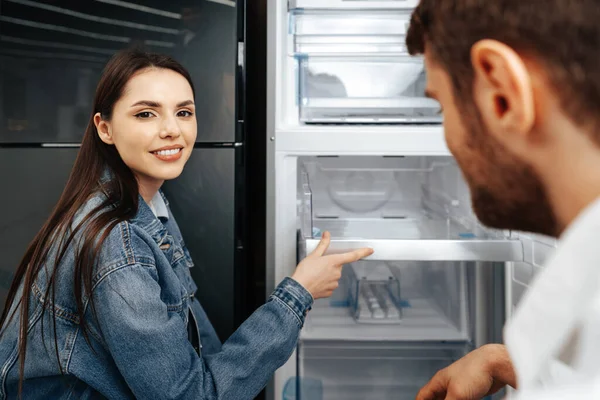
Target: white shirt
(554, 337)
(158, 206)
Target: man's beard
(506, 193)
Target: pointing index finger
(352, 256)
(322, 246)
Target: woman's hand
(320, 274)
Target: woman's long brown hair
(58, 233)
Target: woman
(102, 304)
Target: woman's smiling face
(152, 126)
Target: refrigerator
(355, 148)
(51, 57)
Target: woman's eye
(144, 115)
(185, 113)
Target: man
(519, 83)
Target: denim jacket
(145, 309)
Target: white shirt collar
(158, 206)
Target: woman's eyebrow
(147, 103)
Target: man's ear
(503, 91)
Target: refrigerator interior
(388, 198)
(392, 323)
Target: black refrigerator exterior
(51, 55)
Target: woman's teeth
(167, 152)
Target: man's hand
(480, 373)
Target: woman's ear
(104, 129)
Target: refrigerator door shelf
(352, 4)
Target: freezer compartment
(406, 208)
(354, 32)
(367, 371)
(426, 301)
(365, 89)
(353, 4)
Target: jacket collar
(144, 217)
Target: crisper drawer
(352, 4)
(405, 208)
(376, 89)
(367, 371)
(394, 301)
